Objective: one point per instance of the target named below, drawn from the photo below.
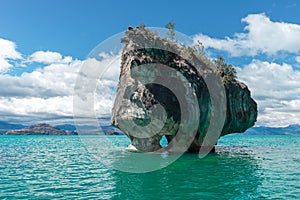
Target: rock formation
(146, 87)
(40, 129)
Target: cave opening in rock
(163, 141)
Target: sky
(43, 45)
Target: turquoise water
(61, 167)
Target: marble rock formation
(150, 70)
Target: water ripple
(60, 167)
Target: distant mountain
(108, 130)
(260, 130)
(40, 129)
(46, 129)
(66, 127)
(111, 130)
(263, 130)
(9, 126)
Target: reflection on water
(60, 167)
(220, 175)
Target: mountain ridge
(292, 129)
(40, 129)
(7, 128)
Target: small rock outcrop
(141, 94)
(40, 129)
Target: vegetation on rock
(226, 71)
(171, 27)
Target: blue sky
(74, 27)
(43, 44)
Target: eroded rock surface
(157, 74)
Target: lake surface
(63, 167)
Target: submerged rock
(164, 89)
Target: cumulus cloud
(50, 81)
(276, 88)
(95, 87)
(8, 53)
(48, 91)
(49, 57)
(45, 92)
(60, 106)
(261, 36)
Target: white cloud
(61, 106)
(50, 81)
(276, 89)
(48, 91)
(59, 79)
(96, 88)
(49, 57)
(7, 52)
(261, 36)
(4, 65)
